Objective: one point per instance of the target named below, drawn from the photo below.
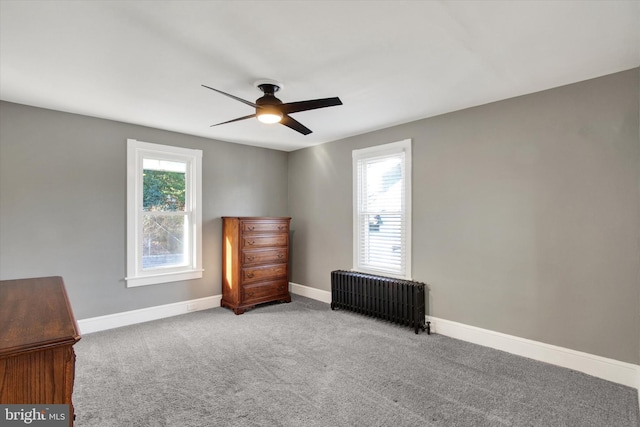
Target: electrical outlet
(191, 307)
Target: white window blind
(382, 209)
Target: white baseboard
(116, 320)
(609, 369)
(313, 293)
(601, 367)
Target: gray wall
(526, 214)
(63, 204)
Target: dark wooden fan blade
(244, 101)
(234, 120)
(295, 125)
(295, 107)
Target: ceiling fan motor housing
(269, 98)
(267, 109)
(267, 104)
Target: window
(164, 220)
(382, 209)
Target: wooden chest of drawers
(37, 334)
(255, 261)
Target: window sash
(152, 260)
(382, 209)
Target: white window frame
(384, 150)
(136, 152)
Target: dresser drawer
(256, 274)
(263, 241)
(266, 291)
(262, 226)
(265, 256)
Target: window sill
(381, 272)
(157, 278)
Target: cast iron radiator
(395, 300)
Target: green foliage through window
(163, 190)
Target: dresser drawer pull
(250, 258)
(250, 294)
(251, 227)
(251, 242)
(250, 275)
(281, 227)
(280, 256)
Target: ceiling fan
(270, 109)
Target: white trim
(608, 369)
(171, 276)
(377, 151)
(313, 293)
(126, 318)
(638, 383)
(612, 370)
(137, 151)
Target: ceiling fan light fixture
(269, 116)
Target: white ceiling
(390, 62)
